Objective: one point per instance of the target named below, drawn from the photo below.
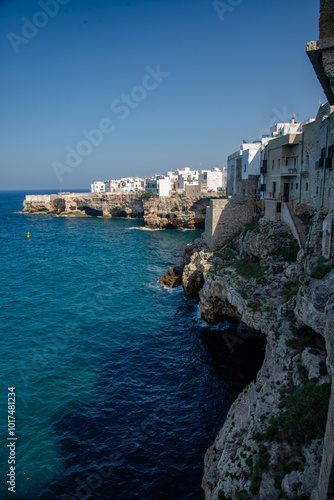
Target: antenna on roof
(319, 100)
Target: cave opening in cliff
(92, 211)
(236, 349)
(305, 336)
(121, 213)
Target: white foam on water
(141, 228)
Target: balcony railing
(288, 170)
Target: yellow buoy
(28, 235)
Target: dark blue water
(120, 386)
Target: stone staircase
(299, 226)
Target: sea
(112, 386)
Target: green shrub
(174, 209)
(305, 415)
(242, 495)
(251, 226)
(243, 294)
(288, 253)
(221, 495)
(290, 290)
(320, 270)
(248, 269)
(147, 195)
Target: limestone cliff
(177, 212)
(271, 445)
(85, 204)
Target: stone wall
(326, 22)
(321, 53)
(225, 218)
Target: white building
(158, 186)
(98, 187)
(285, 128)
(113, 187)
(187, 177)
(212, 179)
(132, 184)
(173, 179)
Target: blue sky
(225, 78)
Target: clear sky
(171, 83)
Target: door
(286, 191)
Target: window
(279, 163)
(296, 185)
(245, 167)
(286, 162)
(306, 186)
(273, 164)
(274, 187)
(317, 191)
(295, 162)
(329, 192)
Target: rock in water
(173, 277)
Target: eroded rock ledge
(271, 444)
(175, 212)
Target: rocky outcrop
(85, 204)
(173, 277)
(271, 445)
(177, 212)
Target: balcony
(263, 168)
(288, 171)
(328, 162)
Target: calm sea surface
(120, 386)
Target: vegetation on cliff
(271, 444)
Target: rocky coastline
(175, 212)
(272, 444)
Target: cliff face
(86, 204)
(177, 212)
(272, 441)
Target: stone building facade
(280, 168)
(317, 179)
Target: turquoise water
(120, 386)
